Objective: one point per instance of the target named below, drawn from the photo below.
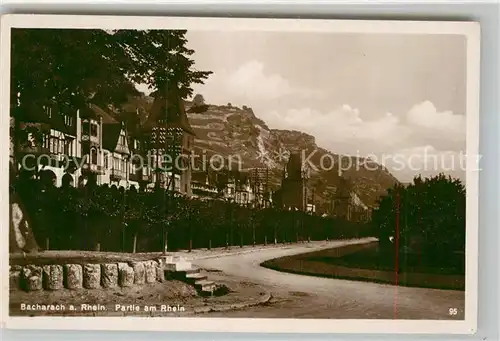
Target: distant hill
(232, 131)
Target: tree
(199, 105)
(198, 100)
(79, 65)
(70, 68)
(159, 58)
(431, 210)
(134, 215)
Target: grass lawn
(375, 258)
(370, 263)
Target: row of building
(76, 146)
(80, 145)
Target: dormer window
(121, 140)
(68, 120)
(93, 130)
(48, 111)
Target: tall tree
(75, 66)
(199, 105)
(160, 59)
(431, 209)
(198, 99)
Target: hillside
(229, 130)
(238, 134)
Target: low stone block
(32, 270)
(32, 278)
(139, 272)
(15, 268)
(91, 276)
(150, 270)
(178, 266)
(53, 277)
(160, 273)
(73, 275)
(165, 260)
(14, 279)
(125, 275)
(34, 283)
(109, 275)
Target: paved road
(314, 297)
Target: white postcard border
(206, 324)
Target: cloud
(425, 160)
(343, 130)
(249, 83)
(409, 139)
(426, 115)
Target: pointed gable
(111, 140)
(169, 111)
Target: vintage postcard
(239, 175)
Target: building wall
(61, 148)
(81, 148)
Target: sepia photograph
(270, 175)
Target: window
(106, 160)
(93, 130)
(53, 145)
(67, 148)
(85, 128)
(93, 156)
(48, 111)
(68, 120)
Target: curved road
(314, 297)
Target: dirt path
(313, 297)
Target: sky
(399, 99)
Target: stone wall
(89, 276)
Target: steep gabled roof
(110, 135)
(171, 111)
(106, 117)
(93, 111)
(36, 114)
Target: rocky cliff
(238, 133)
